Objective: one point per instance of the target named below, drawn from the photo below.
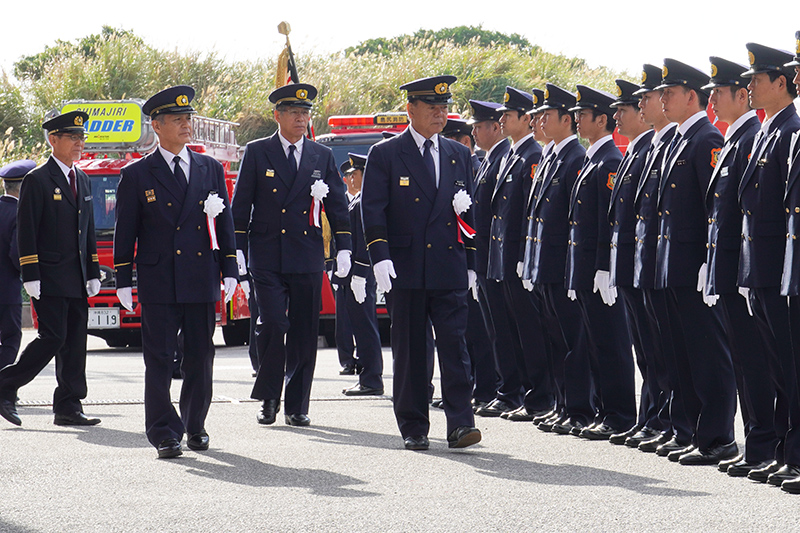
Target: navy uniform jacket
(485, 181)
(646, 206)
(55, 232)
(589, 236)
(169, 232)
(548, 216)
(360, 257)
(761, 196)
(790, 283)
(10, 280)
(511, 191)
(408, 220)
(724, 214)
(681, 248)
(621, 212)
(271, 211)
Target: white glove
(245, 285)
(602, 283)
(359, 287)
(711, 300)
(230, 287)
(241, 262)
(571, 295)
(519, 269)
(33, 288)
(702, 275)
(472, 278)
(528, 285)
(745, 292)
(612, 295)
(93, 287)
(125, 297)
(343, 263)
(384, 272)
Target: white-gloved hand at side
(384, 272)
(528, 285)
(519, 269)
(125, 297)
(343, 263)
(359, 287)
(241, 262)
(711, 300)
(702, 275)
(745, 292)
(93, 287)
(571, 295)
(33, 288)
(602, 283)
(472, 280)
(245, 285)
(230, 287)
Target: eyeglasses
(74, 137)
(298, 113)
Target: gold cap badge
(79, 120)
(664, 72)
(751, 57)
(441, 88)
(644, 76)
(535, 99)
(713, 70)
(546, 94)
(506, 98)
(619, 90)
(577, 96)
(182, 100)
(302, 94)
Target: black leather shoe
(74, 419)
(620, 438)
(641, 436)
(651, 446)
(198, 441)
(169, 448)
(521, 415)
(360, 390)
(348, 370)
(598, 432)
(712, 456)
(495, 408)
(8, 410)
(463, 436)
(671, 445)
(436, 404)
(547, 425)
(675, 455)
(417, 442)
(565, 427)
(741, 468)
(477, 404)
(298, 420)
(268, 411)
(723, 465)
(761, 474)
(792, 486)
(784, 473)
(545, 416)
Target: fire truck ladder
(217, 136)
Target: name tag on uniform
(150, 194)
(555, 181)
(680, 162)
(626, 179)
(404, 181)
(317, 174)
(87, 198)
(57, 194)
(762, 162)
(509, 178)
(723, 172)
(270, 173)
(653, 173)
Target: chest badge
(57, 194)
(270, 173)
(150, 194)
(404, 181)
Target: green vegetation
(117, 64)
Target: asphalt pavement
(348, 471)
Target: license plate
(103, 318)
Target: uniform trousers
(364, 324)
(480, 346)
(510, 389)
(411, 311)
(62, 334)
(345, 347)
(288, 307)
(160, 325)
(705, 369)
(10, 332)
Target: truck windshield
(104, 198)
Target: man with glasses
(60, 269)
(284, 181)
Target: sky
(614, 34)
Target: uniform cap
(354, 162)
(796, 61)
(725, 73)
(17, 170)
(516, 100)
(626, 93)
(434, 90)
(72, 122)
(172, 100)
(651, 79)
(483, 111)
(294, 95)
(589, 98)
(455, 126)
(556, 98)
(765, 59)
(674, 73)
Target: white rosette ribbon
(462, 202)
(319, 190)
(213, 206)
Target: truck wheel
(236, 333)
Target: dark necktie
(72, 183)
(180, 177)
(292, 161)
(672, 145)
(428, 158)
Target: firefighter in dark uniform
(284, 181)
(60, 268)
(524, 358)
(729, 101)
(587, 271)
(360, 292)
(485, 122)
(671, 421)
(705, 369)
(10, 279)
(762, 198)
(168, 221)
(622, 222)
(544, 261)
(790, 285)
(414, 205)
